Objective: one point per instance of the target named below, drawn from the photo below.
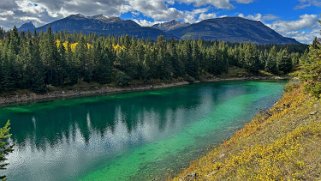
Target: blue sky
(292, 18)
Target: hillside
(282, 143)
(232, 29)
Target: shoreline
(267, 135)
(26, 98)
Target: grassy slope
(280, 144)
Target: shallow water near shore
(130, 136)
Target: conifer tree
(284, 62)
(82, 58)
(5, 147)
(311, 69)
(271, 64)
(251, 58)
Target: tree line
(36, 60)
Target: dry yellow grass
(281, 144)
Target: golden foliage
(118, 48)
(276, 145)
(267, 162)
(73, 46)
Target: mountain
(171, 25)
(102, 25)
(229, 29)
(232, 29)
(27, 27)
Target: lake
(130, 136)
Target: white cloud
(7, 13)
(33, 19)
(3, 19)
(307, 3)
(304, 29)
(27, 6)
(146, 23)
(204, 16)
(259, 17)
(305, 21)
(159, 12)
(244, 1)
(198, 15)
(220, 4)
(156, 9)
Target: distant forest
(35, 61)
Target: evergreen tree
(190, 66)
(251, 58)
(311, 69)
(72, 66)
(61, 65)
(82, 57)
(5, 147)
(25, 58)
(9, 72)
(271, 64)
(37, 70)
(14, 40)
(2, 33)
(284, 62)
(178, 67)
(103, 70)
(1, 73)
(48, 55)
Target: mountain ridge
(170, 25)
(228, 29)
(101, 25)
(232, 29)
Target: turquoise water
(130, 136)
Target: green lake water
(129, 136)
